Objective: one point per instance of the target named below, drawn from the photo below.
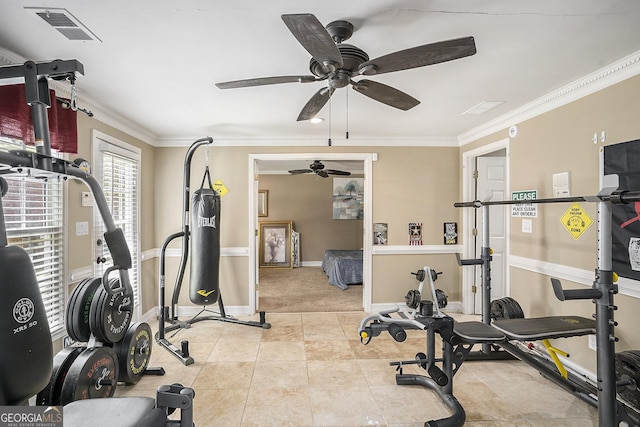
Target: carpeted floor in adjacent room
(304, 289)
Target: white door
(491, 185)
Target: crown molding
(315, 142)
(104, 115)
(620, 70)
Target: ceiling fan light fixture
(316, 120)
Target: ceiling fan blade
(335, 172)
(315, 104)
(323, 174)
(385, 94)
(420, 56)
(300, 171)
(261, 81)
(312, 35)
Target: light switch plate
(87, 198)
(82, 228)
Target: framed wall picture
(275, 244)
(348, 198)
(263, 202)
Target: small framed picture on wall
(263, 202)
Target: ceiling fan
(337, 63)
(318, 168)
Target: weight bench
(458, 338)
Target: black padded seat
(541, 328)
(111, 412)
(477, 332)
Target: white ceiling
(157, 61)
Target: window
(116, 167)
(34, 217)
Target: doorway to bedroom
(305, 200)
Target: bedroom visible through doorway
(306, 201)
(305, 289)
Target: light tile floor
(310, 369)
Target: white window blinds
(118, 172)
(34, 217)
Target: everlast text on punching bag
(205, 247)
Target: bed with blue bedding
(343, 267)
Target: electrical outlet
(592, 343)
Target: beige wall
(307, 200)
(561, 141)
(80, 248)
(411, 184)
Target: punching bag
(205, 246)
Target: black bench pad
(477, 332)
(541, 328)
(108, 412)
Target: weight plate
(627, 367)
(412, 298)
(442, 298)
(50, 395)
(498, 309)
(134, 352)
(110, 315)
(515, 311)
(78, 326)
(83, 380)
(70, 304)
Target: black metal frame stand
(610, 411)
(42, 165)
(487, 351)
(169, 314)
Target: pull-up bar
(617, 198)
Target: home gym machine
(28, 364)
(459, 337)
(204, 237)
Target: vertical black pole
(605, 338)
(37, 95)
(185, 222)
(485, 255)
(3, 228)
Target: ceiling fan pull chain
(347, 132)
(329, 121)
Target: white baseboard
(311, 263)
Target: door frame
(367, 234)
(468, 193)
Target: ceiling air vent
(63, 21)
(483, 107)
